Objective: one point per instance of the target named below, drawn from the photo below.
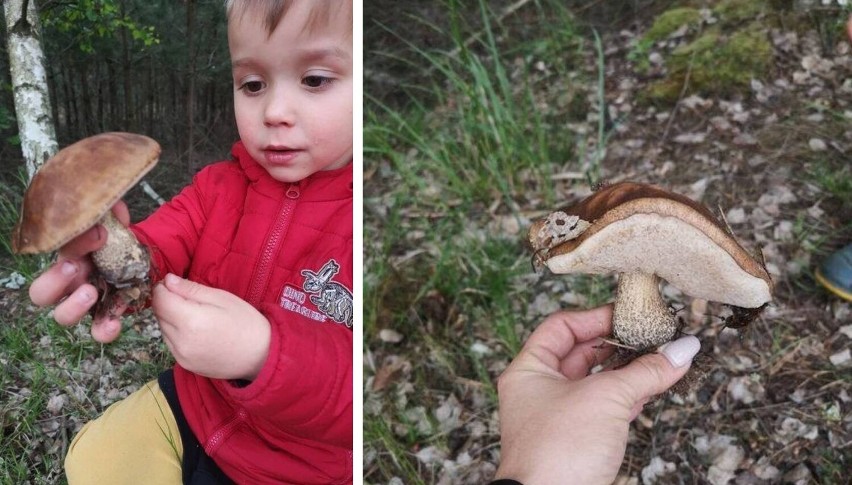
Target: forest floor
(451, 293)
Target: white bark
(146, 187)
(29, 84)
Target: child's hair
(274, 10)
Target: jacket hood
(336, 184)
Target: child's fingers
(91, 240)
(170, 306)
(57, 282)
(107, 329)
(75, 307)
(194, 292)
(121, 212)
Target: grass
(481, 137)
(833, 179)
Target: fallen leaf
(690, 138)
(841, 359)
(390, 336)
(656, 469)
(791, 429)
(56, 403)
(817, 145)
(746, 389)
(736, 215)
(388, 373)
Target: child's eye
(316, 81)
(252, 87)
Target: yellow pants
(136, 440)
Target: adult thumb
(654, 373)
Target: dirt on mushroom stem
(122, 269)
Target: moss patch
(721, 60)
(670, 21)
(735, 11)
(716, 64)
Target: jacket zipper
(221, 434)
(273, 241)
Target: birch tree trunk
(29, 84)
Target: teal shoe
(835, 273)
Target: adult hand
(210, 331)
(66, 282)
(560, 425)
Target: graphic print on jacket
(332, 299)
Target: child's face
(293, 91)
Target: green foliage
(8, 121)
(379, 435)
(485, 139)
(7, 118)
(833, 465)
(90, 20)
(834, 179)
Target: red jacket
(287, 250)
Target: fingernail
(172, 279)
(681, 351)
(68, 268)
(83, 296)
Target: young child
(261, 326)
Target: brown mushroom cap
(640, 228)
(75, 188)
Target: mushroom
(75, 190)
(644, 233)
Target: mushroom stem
(122, 260)
(641, 319)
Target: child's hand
(66, 282)
(560, 425)
(210, 331)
